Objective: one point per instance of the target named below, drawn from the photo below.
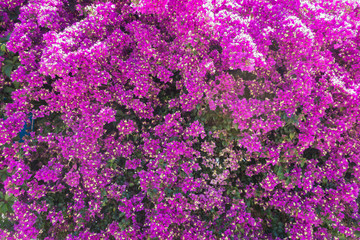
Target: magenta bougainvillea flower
(180, 119)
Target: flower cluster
(187, 119)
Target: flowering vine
(182, 119)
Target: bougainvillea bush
(180, 119)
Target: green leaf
(12, 198)
(281, 174)
(7, 69)
(3, 176)
(288, 180)
(292, 135)
(16, 84)
(324, 180)
(8, 89)
(302, 162)
(7, 61)
(3, 48)
(3, 207)
(9, 207)
(7, 197)
(342, 237)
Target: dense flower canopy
(180, 119)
